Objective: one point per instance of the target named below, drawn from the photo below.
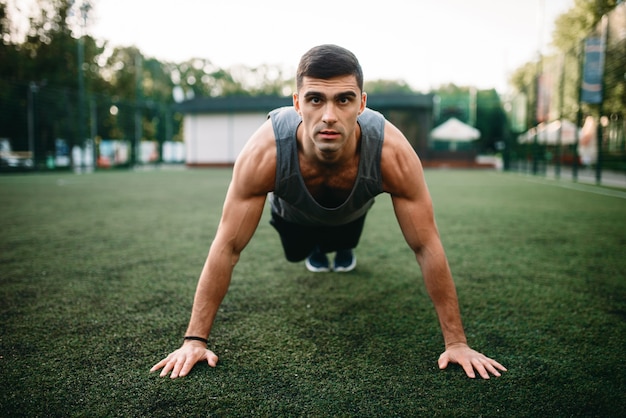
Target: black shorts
(299, 240)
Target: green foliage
(490, 120)
(122, 77)
(571, 28)
(387, 87)
(97, 274)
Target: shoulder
(371, 121)
(255, 168)
(284, 119)
(401, 167)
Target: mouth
(329, 134)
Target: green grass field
(98, 271)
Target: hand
(181, 361)
(470, 360)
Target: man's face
(329, 110)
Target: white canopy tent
(454, 130)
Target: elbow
(427, 249)
(420, 252)
(234, 258)
(225, 253)
(418, 248)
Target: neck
(329, 158)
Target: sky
(426, 43)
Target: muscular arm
(403, 179)
(253, 178)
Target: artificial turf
(98, 271)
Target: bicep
(403, 179)
(253, 178)
(240, 217)
(416, 222)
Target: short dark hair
(328, 61)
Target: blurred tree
(490, 121)
(261, 80)
(571, 27)
(452, 102)
(119, 96)
(122, 84)
(387, 87)
(200, 77)
(42, 65)
(9, 55)
(570, 30)
(523, 80)
(11, 118)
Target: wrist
(455, 343)
(195, 338)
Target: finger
(489, 366)
(443, 361)
(177, 367)
(212, 359)
(166, 369)
(480, 368)
(158, 365)
(187, 366)
(498, 365)
(469, 369)
(492, 369)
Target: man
(322, 161)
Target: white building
(217, 128)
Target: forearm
(210, 291)
(442, 292)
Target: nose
(329, 117)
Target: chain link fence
(577, 128)
(46, 127)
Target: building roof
(229, 104)
(243, 104)
(400, 101)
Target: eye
(345, 100)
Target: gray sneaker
(344, 261)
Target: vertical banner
(544, 96)
(518, 110)
(593, 68)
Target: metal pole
(84, 8)
(579, 113)
(557, 172)
(138, 104)
(168, 129)
(81, 94)
(604, 33)
(537, 116)
(32, 89)
(94, 132)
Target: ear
(363, 102)
(296, 103)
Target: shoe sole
(346, 269)
(310, 267)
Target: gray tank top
(291, 199)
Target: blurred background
(536, 87)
